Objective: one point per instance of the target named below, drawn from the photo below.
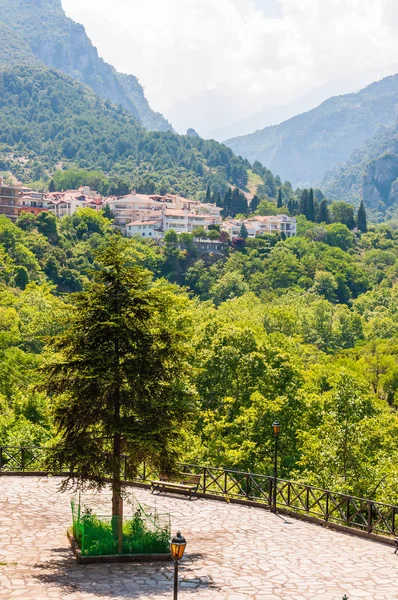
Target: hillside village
(144, 215)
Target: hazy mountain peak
(59, 42)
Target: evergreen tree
(118, 376)
(304, 203)
(238, 203)
(227, 204)
(323, 214)
(51, 186)
(217, 199)
(361, 218)
(208, 194)
(243, 233)
(311, 206)
(279, 202)
(254, 204)
(290, 206)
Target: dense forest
(304, 330)
(47, 120)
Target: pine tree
(208, 194)
(323, 215)
(361, 218)
(51, 186)
(311, 206)
(279, 202)
(118, 376)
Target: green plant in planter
(95, 536)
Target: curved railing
(327, 506)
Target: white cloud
(267, 49)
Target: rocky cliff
(57, 41)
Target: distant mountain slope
(371, 173)
(13, 48)
(48, 121)
(273, 115)
(303, 148)
(61, 43)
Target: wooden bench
(187, 484)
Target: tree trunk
(117, 501)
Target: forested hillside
(371, 174)
(305, 147)
(301, 330)
(48, 121)
(42, 27)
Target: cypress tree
(243, 233)
(226, 212)
(361, 218)
(279, 202)
(51, 187)
(311, 206)
(323, 215)
(290, 206)
(304, 202)
(238, 203)
(254, 204)
(208, 195)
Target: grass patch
(95, 536)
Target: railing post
(327, 507)
(392, 521)
(204, 479)
(1, 457)
(144, 472)
(347, 518)
(307, 498)
(370, 516)
(23, 459)
(247, 486)
(270, 491)
(225, 482)
(289, 487)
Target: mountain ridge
(305, 147)
(59, 42)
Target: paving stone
(233, 553)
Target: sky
(261, 52)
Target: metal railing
(324, 505)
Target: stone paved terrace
(234, 553)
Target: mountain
(49, 121)
(305, 147)
(210, 109)
(41, 31)
(273, 115)
(371, 173)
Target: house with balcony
(257, 226)
(9, 200)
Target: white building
(155, 225)
(257, 226)
(137, 207)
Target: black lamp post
(277, 428)
(177, 549)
